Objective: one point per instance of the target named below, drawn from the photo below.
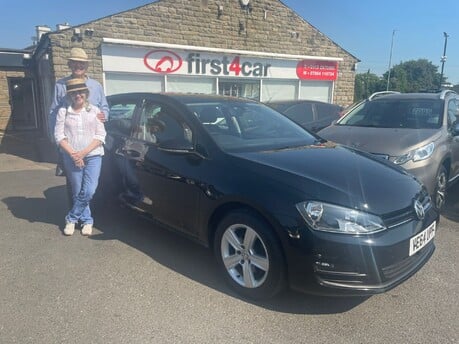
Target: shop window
(279, 90)
(186, 84)
(126, 82)
(316, 90)
(239, 88)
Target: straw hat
(76, 84)
(78, 54)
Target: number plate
(422, 239)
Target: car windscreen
(238, 126)
(396, 113)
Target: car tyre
(440, 187)
(249, 255)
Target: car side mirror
(176, 146)
(455, 130)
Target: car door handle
(130, 154)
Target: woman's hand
(79, 163)
(77, 158)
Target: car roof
(192, 97)
(182, 97)
(411, 96)
(299, 101)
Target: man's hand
(101, 117)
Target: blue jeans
(84, 183)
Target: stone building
(258, 49)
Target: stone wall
(267, 26)
(5, 108)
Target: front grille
(408, 214)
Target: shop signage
(317, 70)
(166, 61)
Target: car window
(146, 130)
(158, 123)
(245, 126)
(123, 110)
(121, 115)
(453, 112)
(399, 113)
(327, 110)
(300, 113)
(213, 119)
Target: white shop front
(135, 66)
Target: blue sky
(362, 27)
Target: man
(78, 64)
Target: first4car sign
(193, 63)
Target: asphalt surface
(132, 282)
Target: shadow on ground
(50, 209)
(197, 262)
(28, 144)
(113, 222)
(451, 209)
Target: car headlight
(332, 218)
(416, 155)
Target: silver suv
(418, 131)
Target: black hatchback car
(277, 205)
(312, 115)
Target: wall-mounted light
(241, 28)
(89, 32)
(77, 35)
(246, 5)
(294, 34)
(219, 11)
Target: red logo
(317, 70)
(162, 61)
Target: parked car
(310, 114)
(348, 108)
(418, 131)
(276, 204)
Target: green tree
(414, 76)
(366, 84)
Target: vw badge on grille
(418, 208)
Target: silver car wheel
(244, 256)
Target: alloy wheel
(245, 256)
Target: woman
(80, 135)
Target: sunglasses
(74, 93)
(78, 64)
